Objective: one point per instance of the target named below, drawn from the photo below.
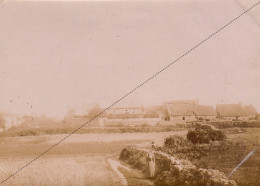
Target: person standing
(151, 164)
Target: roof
(204, 110)
(180, 109)
(250, 110)
(189, 109)
(231, 110)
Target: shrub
(240, 124)
(175, 141)
(205, 134)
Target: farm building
(186, 111)
(231, 112)
(205, 112)
(133, 116)
(250, 111)
(181, 113)
(125, 110)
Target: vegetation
(95, 111)
(240, 124)
(171, 171)
(2, 122)
(205, 134)
(223, 154)
(86, 130)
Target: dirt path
(129, 176)
(115, 165)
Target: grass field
(82, 159)
(249, 172)
(76, 170)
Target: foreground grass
(79, 170)
(79, 161)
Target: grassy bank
(86, 130)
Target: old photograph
(129, 93)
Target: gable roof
(204, 110)
(230, 110)
(188, 110)
(180, 109)
(250, 110)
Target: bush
(205, 134)
(175, 141)
(240, 124)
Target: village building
(181, 113)
(231, 112)
(132, 116)
(250, 111)
(188, 111)
(205, 113)
(125, 110)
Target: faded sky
(55, 56)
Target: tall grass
(59, 171)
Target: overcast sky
(55, 56)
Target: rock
(172, 171)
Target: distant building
(181, 112)
(250, 111)
(188, 111)
(205, 112)
(125, 110)
(133, 116)
(231, 112)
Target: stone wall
(171, 171)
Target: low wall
(132, 121)
(170, 171)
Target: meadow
(82, 158)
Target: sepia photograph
(130, 93)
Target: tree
(2, 122)
(94, 111)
